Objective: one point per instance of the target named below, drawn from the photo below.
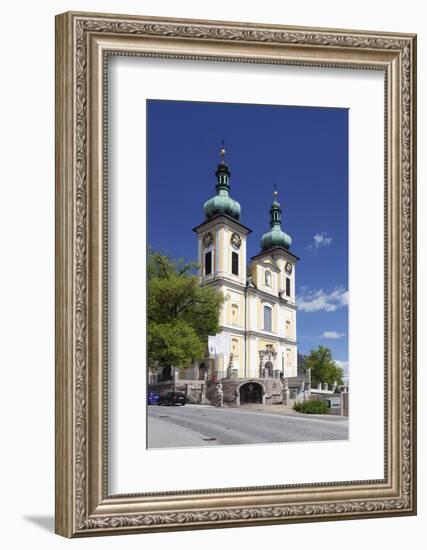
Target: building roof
(227, 218)
(275, 237)
(222, 203)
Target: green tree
(174, 344)
(323, 367)
(181, 314)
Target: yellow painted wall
(228, 303)
(254, 274)
(235, 299)
(235, 313)
(224, 310)
(235, 346)
(239, 346)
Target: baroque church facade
(259, 313)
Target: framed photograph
(235, 274)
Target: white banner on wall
(220, 344)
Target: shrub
(311, 407)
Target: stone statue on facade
(286, 393)
(230, 367)
(219, 394)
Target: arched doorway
(267, 359)
(203, 372)
(166, 374)
(250, 393)
(268, 369)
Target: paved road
(198, 425)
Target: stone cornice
(219, 281)
(272, 298)
(239, 331)
(225, 220)
(270, 336)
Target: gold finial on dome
(222, 150)
(275, 193)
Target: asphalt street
(200, 425)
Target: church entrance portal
(250, 393)
(269, 369)
(203, 372)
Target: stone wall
(344, 403)
(339, 410)
(205, 393)
(194, 390)
(271, 391)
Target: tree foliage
(181, 314)
(174, 344)
(323, 367)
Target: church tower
(222, 237)
(222, 263)
(271, 328)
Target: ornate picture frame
(83, 43)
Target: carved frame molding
(83, 43)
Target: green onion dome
(275, 237)
(222, 203)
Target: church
(259, 312)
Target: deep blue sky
(302, 150)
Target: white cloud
(320, 240)
(322, 300)
(332, 334)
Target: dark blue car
(153, 398)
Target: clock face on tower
(236, 240)
(207, 239)
(288, 268)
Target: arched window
(234, 263)
(267, 318)
(267, 277)
(208, 263)
(234, 314)
(235, 347)
(288, 286)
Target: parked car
(172, 398)
(153, 398)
